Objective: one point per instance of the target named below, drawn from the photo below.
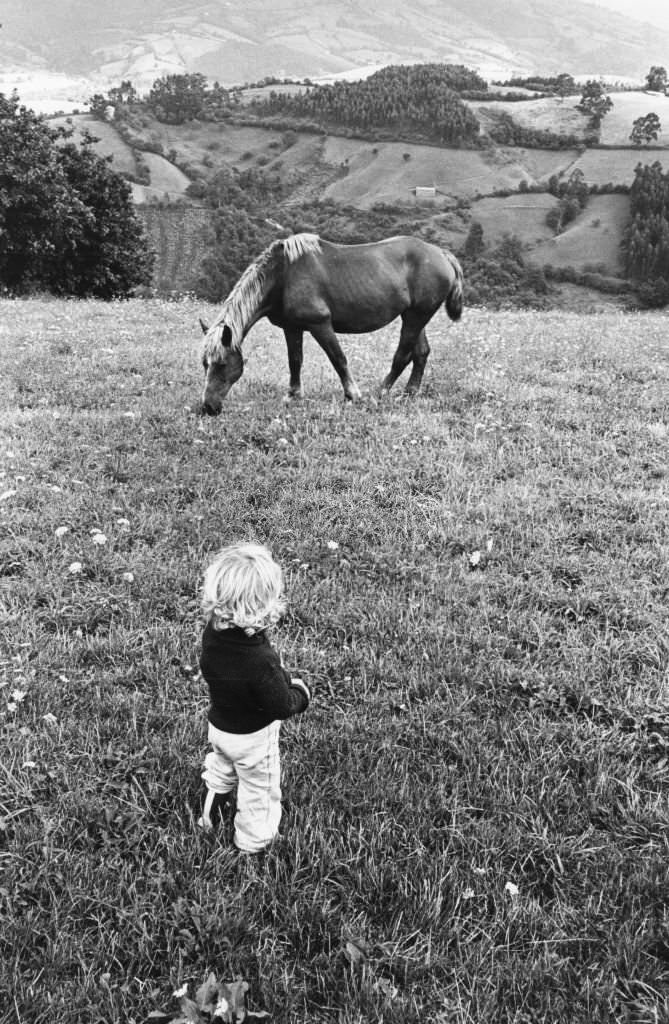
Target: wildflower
(468, 894)
(19, 695)
(99, 538)
(179, 992)
(123, 523)
(11, 706)
(75, 567)
(50, 719)
(60, 531)
(474, 558)
(512, 889)
(332, 544)
(129, 577)
(29, 764)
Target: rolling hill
(142, 41)
(393, 186)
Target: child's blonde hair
(243, 587)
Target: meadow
(476, 823)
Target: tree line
(422, 97)
(646, 241)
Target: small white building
(425, 192)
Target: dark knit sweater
(248, 687)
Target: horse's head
(223, 367)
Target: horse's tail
(455, 298)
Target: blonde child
(250, 691)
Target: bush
(67, 222)
(654, 294)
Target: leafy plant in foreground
(215, 1001)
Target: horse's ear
(204, 326)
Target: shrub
(67, 222)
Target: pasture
(476, 820)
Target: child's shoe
(212, 809)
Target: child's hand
(299, 684)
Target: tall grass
(475, 806)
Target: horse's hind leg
(413, 347)
(329, 342)
(294, 342)
(421, 351)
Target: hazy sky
(654, 11)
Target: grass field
(476, 820)
(594, 237)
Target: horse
(305, 283)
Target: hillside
(142, 41)
(438, 191)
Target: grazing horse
(304, 283)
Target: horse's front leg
(294, 338)
(327, 339)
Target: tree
(656, 79)
(645, 129)
(564, 85)
(123, 94)
(119, 96)
(106, 254)
(66, 219)
(178, 98)
(594, 102)
(474, 244)
(34, 195)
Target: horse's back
(363, 286)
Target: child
(250, 691)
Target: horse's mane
(243, 301)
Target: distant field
(600, 166)
(475, 823)
(363, 173)
(627, 107)
(593, 238)
(110, 142)
(550, 114)
(521, 215)
(380, 172)
(165, 176)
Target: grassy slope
(487, 647)
(109, 141)
(593, 238)
(627, 107)
(499, 216)
(549, 114)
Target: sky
(654, 11)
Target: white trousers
(251, 761)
